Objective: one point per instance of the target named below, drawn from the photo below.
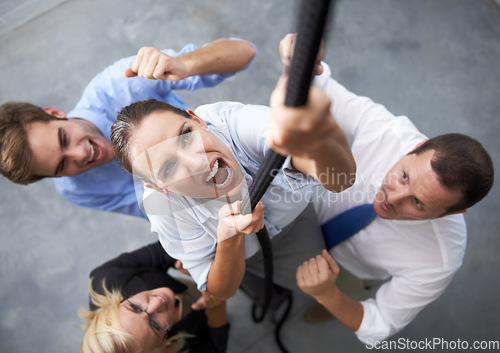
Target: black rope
(281, 321)
(281, 298)
(313, 16)
(267, 252)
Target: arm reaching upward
(222, 56)
(310, 134)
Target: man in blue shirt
(37, 143)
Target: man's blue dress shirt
(110, 187)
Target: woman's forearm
(228, 267)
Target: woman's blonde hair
(103, 331)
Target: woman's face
(147, 315)
(182, 156)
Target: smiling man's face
(66, 147)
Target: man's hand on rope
(287, 47)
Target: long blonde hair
(103, 331)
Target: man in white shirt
(417, 188)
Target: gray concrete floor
(436, 61)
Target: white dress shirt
(419, 257)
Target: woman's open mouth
(220, 175)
